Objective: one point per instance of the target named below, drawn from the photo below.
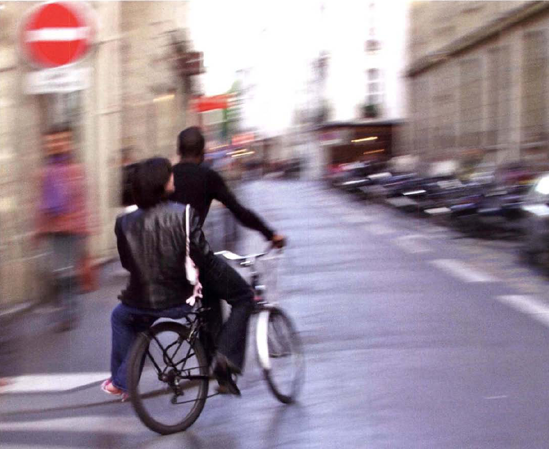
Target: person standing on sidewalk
(198, 185)
(62, 221)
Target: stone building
(477, 80)
(134, 98)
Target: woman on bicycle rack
(152, 247)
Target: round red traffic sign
(55, 34)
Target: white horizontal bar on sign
(462, 271)
(57, 34)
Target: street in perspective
(290, 225)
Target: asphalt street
(414, 338)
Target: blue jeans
(127, 323)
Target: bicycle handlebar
(250, 258)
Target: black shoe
(224, 378)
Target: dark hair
(149, 181)
(190, 142)
(59, 128)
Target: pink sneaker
(108, 387)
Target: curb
(14, 311)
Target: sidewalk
(28, 343)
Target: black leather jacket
(151, 245)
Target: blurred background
(402, 146)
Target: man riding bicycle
(198, 185)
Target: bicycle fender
(262, 341)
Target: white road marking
(94, 424)
(462, 271)
(401, 201)
(412, 244)
(48, 383)
(495, 397)
(15, 309)
(527, 305)
(378, 229)
(356, 219)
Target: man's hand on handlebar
(279, 241)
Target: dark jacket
(198, 185)
(151, 245)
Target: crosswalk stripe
(48, 383)
(93, 424)
(412, 244)
(377, 229)
(355, 219)
(527, 305)
(462, 271)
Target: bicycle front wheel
(168, 378)
(280, 354)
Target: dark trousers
(220, 281)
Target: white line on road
(94, 424)
(356, 219)
(462, 271)
(527, 305)
(377, 229)
(412, 244)
(48, 383)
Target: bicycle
(154, 360)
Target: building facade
(477, 80)
(366, 59)
(134, 99)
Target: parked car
(350, 177)
(494, 207)
(378, 185)
(535, 221)
(425, 195)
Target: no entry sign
(55, 34)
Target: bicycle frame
(196, 320)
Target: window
(374, 99)
(498, 106)
(372, 45)
(470, 104)
(373, 74)
(374, 86)
(534, 87)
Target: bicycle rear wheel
(280, 354)
(168, 378)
